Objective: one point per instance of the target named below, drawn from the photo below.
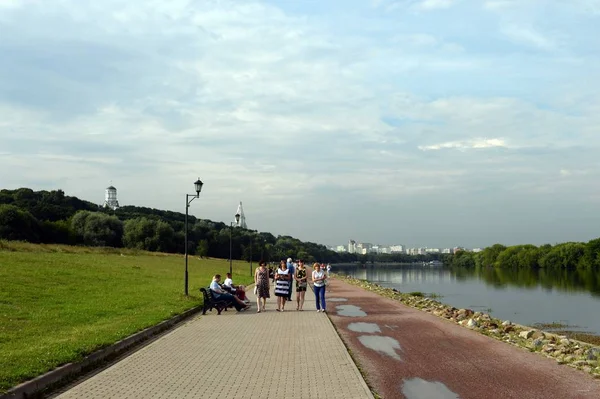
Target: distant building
(363, 247)
(397, 249)
(242, 222)
(340, 248)
(352, 247)
(110, 198)
(446, 251)
(477, 249)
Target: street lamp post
(198, 186)
(237, 221)
(250, 256)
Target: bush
(97, 229)
(18, 224)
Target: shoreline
(581, 355)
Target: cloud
(468, 144)
(497, 5)
(435, 4)
(307, 115)
(528, 36)
(415, 5)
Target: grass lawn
(60, 303)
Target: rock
(565, 341)
(591, 355)
(508, 329)
(506, 323)
(569, 359)
(580, 363)
(495, 331)
(472, 323)
(526, 334)
(538, 343)
(462, 322)
(538, 334)
(477, 314)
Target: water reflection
(561, 280)
(524, 296)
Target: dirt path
(411, 354)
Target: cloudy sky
(421, 122)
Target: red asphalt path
(437, 359)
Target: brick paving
(237, 355)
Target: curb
(36, 386)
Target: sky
(433, 123)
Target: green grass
(60, 303)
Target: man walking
(292, 269)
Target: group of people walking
(285, 277)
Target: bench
(210, 302)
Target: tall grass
(59, 303)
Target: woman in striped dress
(282, 285)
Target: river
(528, 297)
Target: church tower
(110, 198)
(242, 222)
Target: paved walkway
(411, 354)
(237, 355)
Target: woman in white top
(282, 285)
(237, 290)
(319, 277)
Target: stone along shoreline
(577, 354)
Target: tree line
(564, 256)
(53, 217)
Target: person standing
(282, 285)
(263, 285)
(301, 284)
(319, 277)
(292, 269)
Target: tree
(591, 255)
(490, 255)
(17, 224)
(202, 250)
(98, 229)
(57, 232)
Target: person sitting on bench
(220, 294)
(237, 290)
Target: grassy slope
(59, 303)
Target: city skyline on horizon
(392, 121)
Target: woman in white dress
(282, 285)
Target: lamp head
(237, 218)
(198, 186)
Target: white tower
(110, 198)
(242, 222)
